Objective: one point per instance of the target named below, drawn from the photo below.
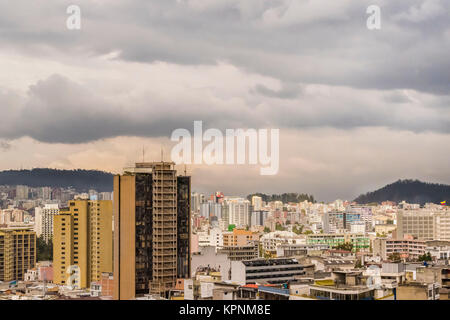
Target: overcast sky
(356, 108)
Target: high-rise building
(43, 221)
(45, 193)
(17, 253)
(195, 202)
(151, 229)
(83, 242)
(259, 217)
(333, 222)
(256, 203)
(21, 192)
(105, 196)
(239, 212)
(211, 209)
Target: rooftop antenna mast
(162, 154)
(143, 154)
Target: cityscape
(154, 238)
(224, 158)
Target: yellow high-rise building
(17, 252)
(82, 242)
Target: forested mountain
(412, 191)
(81, 180)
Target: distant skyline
(357, 109)
(181, 170)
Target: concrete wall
(209, 257)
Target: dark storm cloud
(296, 41)
(58, 110)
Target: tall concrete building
(43, 220)
(239, 211)
(17, 253)
(151, 229)
(83, 242)
(22, 192)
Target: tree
(279, 227)
(297, 230)
(426, 257)
(266, 230)
(358, 264)
(395, 257)
(44, 251)
(344, 246)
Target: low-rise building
(298, 249)
(263, 271)
(239, 253)
(408, 249)
(360, 241)
(418, 291)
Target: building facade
(151, 229)
(43, 219)
(407, 248)
(17, 253)
(82, 242)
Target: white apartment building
(358, 227)
(239, 212)
(270, 241)
(43, 219)
(204, 239)
(216, 237)
(277, 205)
(256, 203)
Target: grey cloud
(58, 110)
(4, 146)
(294, 41)
(397, 97)
(287, 91)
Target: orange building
(239, 237)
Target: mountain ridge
(80, 179)
(409, 190)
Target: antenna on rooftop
(162, 154)
(143, 154)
